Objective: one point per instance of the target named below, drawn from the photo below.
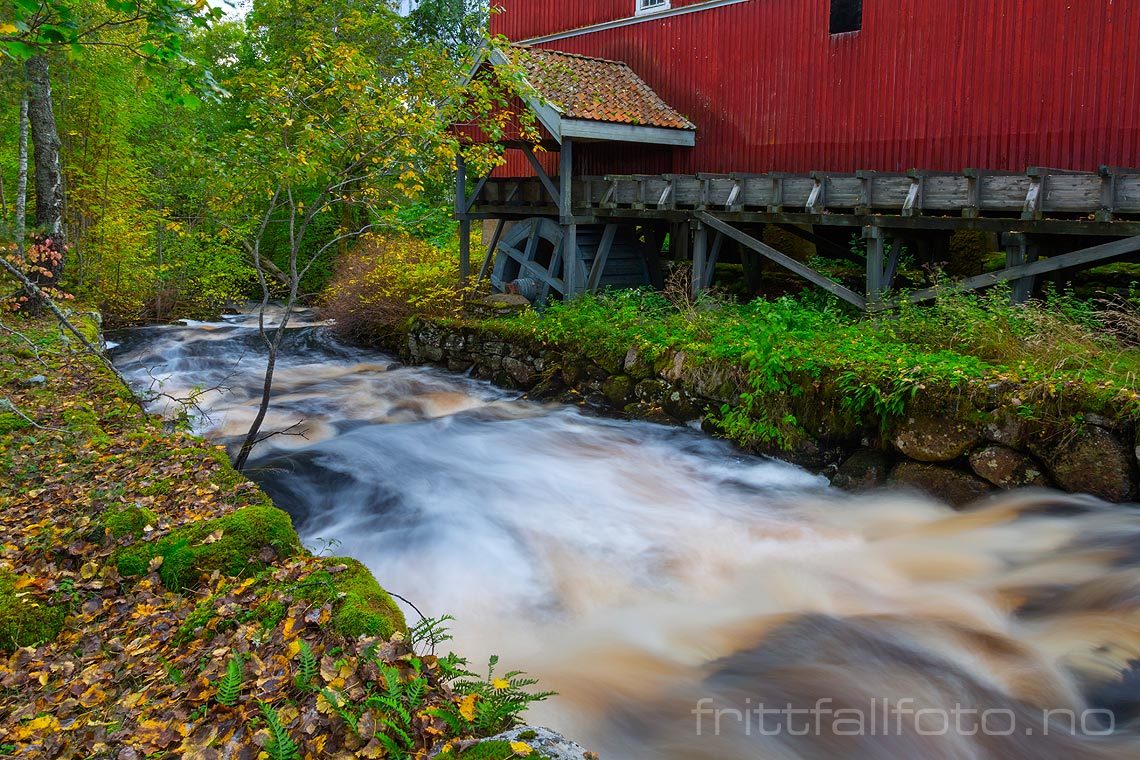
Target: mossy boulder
(864, 470)
(618, 389)
(934, 437)
(1094, 461)
(953, 486)
(128, 521)
(26, 620)
(1006, 468)
(360, 606)
(238, 544)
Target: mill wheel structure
(531, 252)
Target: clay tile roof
(595, 89)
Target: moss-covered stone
(360, 606)
(128, 521)
(487, 750)
(232, 545)
(25, 620)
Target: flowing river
(684, 599)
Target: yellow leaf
(521, 748)
(500, 683)
(467, 707)
(88, 571)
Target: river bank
(155, 603)
(959, 436)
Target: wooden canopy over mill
(682, 130)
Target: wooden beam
(566, 180)
(499, 225)
(875, 258)
(599, 266)
(785, 261)
(714, 257)
(461, 209)
(700, 251)
(1031, 269)
(475, 194)
(543, 177)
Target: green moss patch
(360, 606)
(129, 521)
(24, 620)
(232, 545)
(11, 423)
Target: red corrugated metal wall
(931, 84)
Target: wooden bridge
(1049, 221)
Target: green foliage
(228, 690)
(875, 365)
(230, 545)
(488, 705)
(430, 633)
(306, 673)
(281, 746)
(24, 619)
(385, 280)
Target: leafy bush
(385, 280)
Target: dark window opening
(846, 16)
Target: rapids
(686, 600)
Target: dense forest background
(193, 142)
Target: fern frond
(307, 668)
(229, 689)
(280, 745)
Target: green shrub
(385, 280)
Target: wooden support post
(876, 244)
(573, 267)
(1017, 252)
(700, 252)
(710, 265)
(461, 212)
(489, 257)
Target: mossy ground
(237, 544)
(26, 618)
(115, 661)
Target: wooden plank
(1051, 264)
(785, 261)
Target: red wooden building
(906, 118)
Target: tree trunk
(46, 145)
(22, 179)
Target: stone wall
(953, 446)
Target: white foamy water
(646, 572)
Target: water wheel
(531, 252)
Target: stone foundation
(955, 448)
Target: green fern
(280, 745)
(342, 708)
(229, 688)
(306, 668)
